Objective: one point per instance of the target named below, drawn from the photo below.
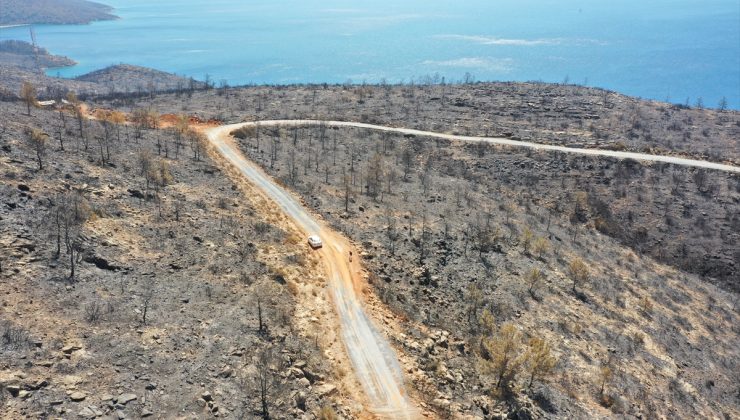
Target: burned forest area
(142, 276)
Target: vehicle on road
(315, 242)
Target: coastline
(59, 12)
(236, 68)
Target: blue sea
(675, 50)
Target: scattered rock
(124, 399)
(77, 396)
(136, 194)
(300, 401)
(37, 385)
(312, 376)
(324, 390)
(206, 396)
(100, 262)
(226, 372)
(146, 413)
(441, 403)
(294, 372)
(87, 413)
(69, 349)
(13, 389)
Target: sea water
(675, 50)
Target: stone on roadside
(226, 372)
(77, 396)
(324, 390)
(69, 349)
(124, 399)
(87, 413)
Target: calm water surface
(657, 49)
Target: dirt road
(374, 362)
(515, 143)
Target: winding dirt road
(515, 143)
(374, 362)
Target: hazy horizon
(663, 50)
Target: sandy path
(374, 362)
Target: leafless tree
(37, 140)
(407, 159)
(267, 384)
(197, 140)
(28, 95)
(274, 149)
(78, 111)
(61, 128)
(391, 230)
(375, 174)
(292, 167)
(67, 215)
(347, 188)
(147, 294)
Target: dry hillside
(139, 279)
(528, 284)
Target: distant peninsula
(21, 12)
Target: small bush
(93, 310)
(14, 338)
(327, 413)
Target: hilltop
(26, 56)
(22, 62)
(22, 12)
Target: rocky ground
(186, 299)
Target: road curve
(514, 143)
(374, 362)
